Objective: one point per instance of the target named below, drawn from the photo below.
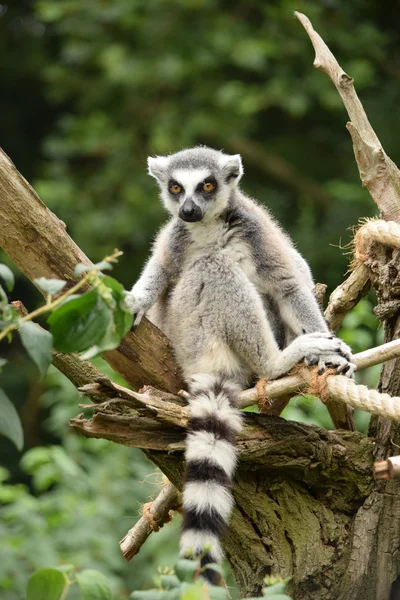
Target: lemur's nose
(190, 211)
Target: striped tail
(211, 461)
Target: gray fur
(235, 298)
(236, 274)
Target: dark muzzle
(190, 212)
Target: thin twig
(91, 275)
(159, 512)
(45, 308)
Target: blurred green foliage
(90, 88)
(84, 497)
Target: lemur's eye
(175, 188)
(208, 187)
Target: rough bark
(346, 296)
(296, 490)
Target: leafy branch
(89, 323)
(53, 286)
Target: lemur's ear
(232, 168)
(157, 166)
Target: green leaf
(81, 323)
(123, 321)
(3, 296)
(116, 286)
(66, 568)
(50, 286)
(192, 591)
(38, 343)
(46, 584)
(8, 276)
(153, 595)
(186, 569)
(169, 582)
(34, 458)
(276, 588)
(123, 318)
(218, 593)
(47, 476)
(68, 299)
(3, 362)
(110, 340)
(8, 315)
(100, 266)
(93, 585)
(10, 424)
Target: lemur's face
(196, 184)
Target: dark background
(89, 89)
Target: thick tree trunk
(306, 503)
(374, 564)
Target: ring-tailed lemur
(228, 288)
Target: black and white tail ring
(211, 461)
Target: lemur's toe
(311, 360)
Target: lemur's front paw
(337, 357)
(136, 306)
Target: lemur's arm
(298, 305)
(287, 278)
(300, 312)
(154, 278)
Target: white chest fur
(212, 238)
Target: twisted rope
(376, 231)
(330, 386)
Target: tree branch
(346, 296)
(378, 172)
(155, 515)
(154, 420)
(387, 469)
(167, 411)
(36, 241)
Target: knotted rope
(263, 401)
(375, 231)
